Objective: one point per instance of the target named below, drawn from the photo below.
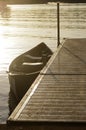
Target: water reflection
(12, 102)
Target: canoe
(25, 68)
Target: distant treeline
(27, 1)
(43, 1)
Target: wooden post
(58, 25)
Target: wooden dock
(58, 95)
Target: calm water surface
(24, 26)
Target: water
(24, 26)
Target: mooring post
(58, 25)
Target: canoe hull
(21, 83)
(24, 70)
